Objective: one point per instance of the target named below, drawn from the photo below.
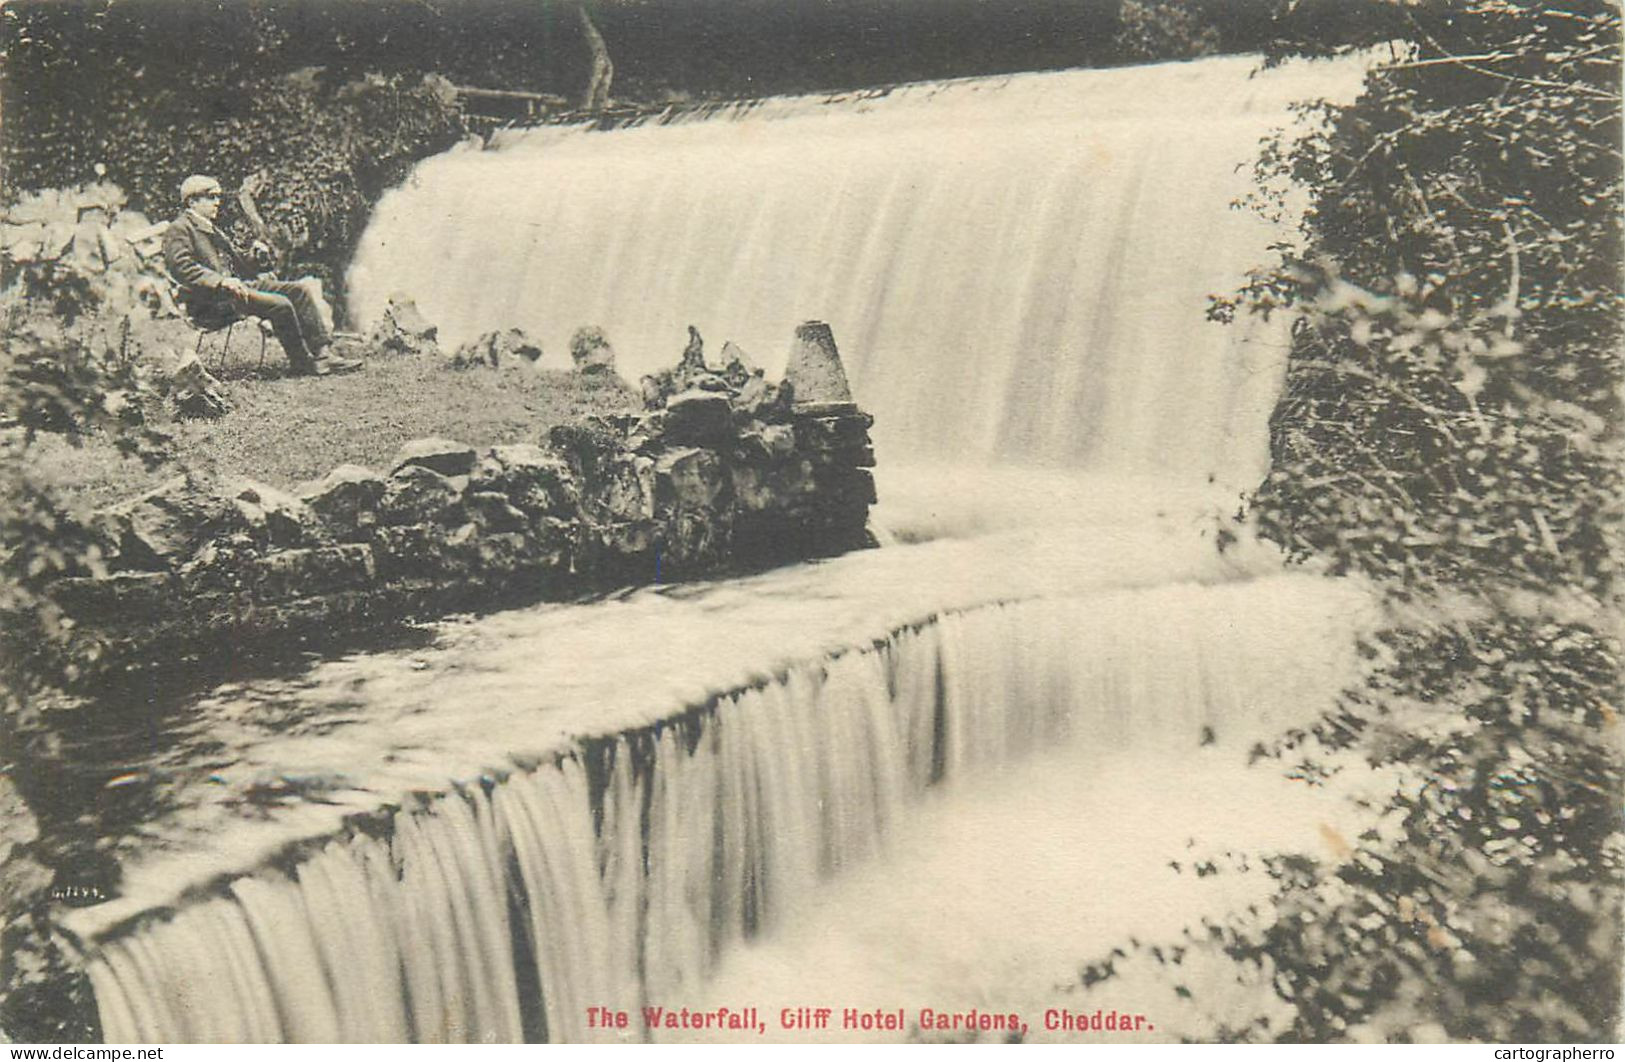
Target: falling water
(569, 814)
(618, 872)
(1015, 268)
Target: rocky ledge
(722, 470)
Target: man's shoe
(335, 364)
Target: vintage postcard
(699, 521)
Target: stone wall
(722, 470)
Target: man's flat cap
(197, 185)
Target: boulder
(626, 488)
(413, 551)
(590, 350)
(403, 330)
(699, 418)
(495, 348)
(490, 511)
(694, 541)
(346, 500)
(119, 598)
(529, 477)
(647, 432)
(297, 573)
(161, 529)
(417, 494)
(838, 434)
(752, 489)
(195, 391)
(23, 242)
(754, 397)
(503, 553)
(445, 456)
(737, 366)
(288, 522)
(766, 443)
(689, 478)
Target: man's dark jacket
(200, 258)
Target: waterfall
(617, 872)
(1015, 268)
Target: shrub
(1450, 427)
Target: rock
(133, 225)
(780, 439)
(628, 539)
(754, 397)
(503, 553)
(626, 488)
(699, 418)
(767, 443)
(413, 551)
(647, 432)
(533, 480)
(494, 348)
(694, 353)
(491, 511)
(737, 366)
(297, 573)
(834, 434)
(102, 197)
(118, 598)
(445, 456)
(162, 528)
(814, 369)
(403, 330)
(752, 491)
(695, 541)
(417, 494)
(345, 500)
(289, 523)
(195, 392)
(23, 242)
(590, 350)
(689, 478)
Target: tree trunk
(603, 70)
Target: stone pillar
(834, 433)
(815, 372)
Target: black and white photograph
(1088, 522)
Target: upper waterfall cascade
(1015, 268)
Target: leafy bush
(73, 382)
(1450, 427)
(317, 153)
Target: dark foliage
(1451, 428)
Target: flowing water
(940, 773)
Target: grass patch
(283, 430)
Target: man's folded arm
(185, 265)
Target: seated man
(205, 264)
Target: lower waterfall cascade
(616, 873)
